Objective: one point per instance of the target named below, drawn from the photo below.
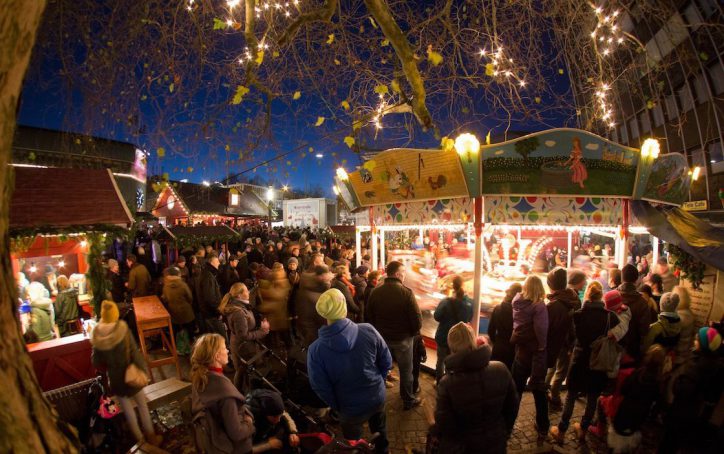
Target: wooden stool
(153, 319)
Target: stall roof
(203, 231)
(680, 228)
(58, 198)
(215, 199)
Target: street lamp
(467, 144)
(270, 198)
(650, 147)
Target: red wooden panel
(62, 362)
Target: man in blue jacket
(347, 367)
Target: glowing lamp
(285, 188)
(270, 194)
(650, 148)
(336, 190)
(342, 174)
(467, 144)
(33, 268)
(695, 173)
(61, 264)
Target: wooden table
(153, 319)
(62, 362)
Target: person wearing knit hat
(614, 303)
(274, 428)
(293, 274)
(666, 330)
(708, 339)
(114, 349)
(557, 279)
(347, 366)
(629, 273)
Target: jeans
(557, 374)
(352, 427)
(128, 410)
(521, 372)
(442, 353)
(591, 403)
(402, 352)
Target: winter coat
(139, 281)
(686, 337)
(114, 348)
(392, 309)
(223, 404)
(360, 287)
(275, 295)
(353, 310)
(665, 332)
(179, 301)
(227, 277)
(42, 318)
(243, 329)
(66, 309)
(450, 312)
(208, 292)
(118, 287)
(309, 321)
(255, 256)
(270, 258)
(264, 429)
(500, 329)
(476, 403)
(347, 366)
(640, 320)
(639, 392)
(530, 326)
(561, 306)
(590, 322)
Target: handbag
(135, 377)
(605, 352)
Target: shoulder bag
(605, 352)
(135, 376)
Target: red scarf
(348, 284)
(218, 370)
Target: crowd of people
(629, 346)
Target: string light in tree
(608, 34)
(501, 66)
(603, 108)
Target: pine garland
(686, 266)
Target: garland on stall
(686, 266)
(22, 238)
(96, 275)
(184, 241)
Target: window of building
(708, 7)
(716, 74)
(234, 199)
(702, 92)
(644, 122)
(624, 134)
(687, 103)
(626, 23)
(672, 111)
(658, 115)
(614, 135)
(693, 17)
(716, 157)
(633, 127)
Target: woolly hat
(331, 305)
(361, 270)
(629, 273)
(668, 304)
(173, 271)
(270, 402)
(557, 279)
(292, 260)
(613, 300)
(109, 312)
(576, 277)
(112, 263)
(709, 339)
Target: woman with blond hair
(237, 312)
(476, 400)
(530, 335)
(66, 307)
(216, 402)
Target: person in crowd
(688, 330)
(562, 302)
(183, 270)
(293, 274)
(115, 349)
(697, 390)
(244, 332)
(316, 259)
(451, 311)
(139, 279)
(614, 278)
(648, 294)
(208, 294)
(392, 309)
(228, 423)
(179, 302)
(359, 280)
(640, 314)
(373, 279)
(146, 260)
(242, 267)
(67, 311)
(42, 313)
(200, 255)
(117, 283)
(275, 299)
(666, 330)
(270, 255)
(590, 322)
(500, 328)
(342, 282)
(477, 401)
(530, 335)
(347, 366)
(657, 288)
(275, 430)
(228, 275)
(311, 286)
(257, 253)
(668, 280)
(50, 280)
(614, 303)
(630, 404)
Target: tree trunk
(27, 421)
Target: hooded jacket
(66, 309)
(500, 330)
(179, 301)
(42, 318)
(309, 321)
(476, 403)
(561, 306)
(665, 331)
(347, 366)
(114, 348)
(223, 404)
(448, 313)
(530, 324)
(392, 309)
(640, 319)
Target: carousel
(499, 212)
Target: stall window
(716, 157)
